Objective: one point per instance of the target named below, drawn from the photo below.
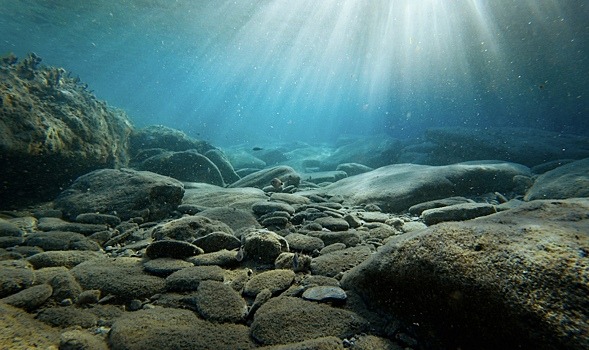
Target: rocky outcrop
(517, 278)
(53, 130)
(567, 181)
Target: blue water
(235, 72)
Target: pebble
(172, 249)
(325, 294)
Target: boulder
(163, 137)
(517, 278)
(395, 188)
(206, 195)
(126, 193)
(223, 164)
(189, 228)
(185, 166)
(263, 178)
(53, 130)
(568, 181)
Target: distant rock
(223, 164)
(353, 168)
(568, 181)
(395, 188)
(125, 193)
(519, 145)
(457, 212)
(206, 195)
(189, 228)
(163, 137)
(53, 130)
(324, 176)
(235, 218)
(263, 178)
(185, 166)
(517, 278)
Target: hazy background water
(311, 70)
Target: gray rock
(303, 243)
(491, 280)
(332, 248)
(8, 229)
(9, 241)
(66, 258)
(57, 240)
(266, 207)
(225, 258)
(350, 238)
(99, 219)
(333, 224)
(262, 178)
(206, 195)
(88, 297)
(126, 192)
(237, 219)
(352, 169)
(285, 319)
(324, 176)
(165, 266)
(67, 316)
(395, 188)
(189, 278)
(417, 209)
(373, 216)
(218, 302)
(334, 263)
(289, 198)
(122, 277)
(567, 181)
(15, 276)
(81, 340)
(171, 248)
(262, 246)
(64, 286)
(274, 280)
(293, 261)
(216, 241)
(185, 166)
(57, 224)
(176, 329)
(163, 137)
(457, 212)
(189, 228)
(223, 164)
(29, 299)
(325, 294)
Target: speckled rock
(237, 219)
(216, 241)
(64, 286)
(274, 280)
(81, 340)
(189, 278)
(350, 238)
(489, 281)
(224, 257)
(333, 224)
(211, 196)
(15, 275)
(171, 248)
(165, 266)
(567, 181)
(223, 164)
(58, 240)
(106, 191)
(67, 316)
(8, 229)
(303, 243)
(417, 209)
(20, 330)
(264, 246)
(293, 261)
(325, 294)
(66, 258)
(323, 343)
(31, 298)
(266, 207)
(176, 329)
(339, 261)
(285, 319)
(122, 277)
(218, 302)
(57, 224)
(292, 199)
(263, 178)
(457, 212)
(189, 228)
(96, 218)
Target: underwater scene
(294, 175)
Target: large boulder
(163, 137)
(205, 195)
(53, 130)
(515, 279)
(126, 193)
(520, 145)
(395, 188)
(263, 178)
(567, 181)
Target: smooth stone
(339, 261)
(223, 164)
(325, 294)
(303, 243)
(417, 209)
(217, 302)
(101, 219)
(373, 216)
(266, 207)
(262, 246)
(318, 280)
(324, 176)
(211, 196)
(237, 219)
(225, 258)
(292, 199)
(164, 267)
(333, 224)
(66, 258)
(163, 137)
(58, 240)
(56, 224)
(170, 248)
(188, 228)
(452, 273)
(216, 241)
(352, 169)
(262, 178)
(568, 181)
(382, 231)
(274, 280)
(457, 212)
(122, 277)
(64, 286)
(350, 238)
(81, 340)
(280, 221)
(29, 299)
(413, 226)
(189, 278)
(106, 191)
(293, 261)
(15, 275)
(284, 320)
(67, 317)
(8, 229)
(9, 242)
(176, 329)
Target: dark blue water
(281, 70)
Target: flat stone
(81, 339)
(225, 258)
(216, 241)
(350, 238)
(8, 229)
(61, 240)
(237, 219)
(165, 266)
(56, 224)
(325, 294)
(333, 224)
(189, 278)
(568, 181)
(303, 243)
(206, 195)
(218, 302)
(100, 219)
(457, 212)
(274, 280)
(417, 209)
(15, 276)
(292, 199)
(334, 263)
(31, 298)
(189, 228)
(67, 316)
(171, 248)
(66, 258)
(266, 207)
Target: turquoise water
(257, 72)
